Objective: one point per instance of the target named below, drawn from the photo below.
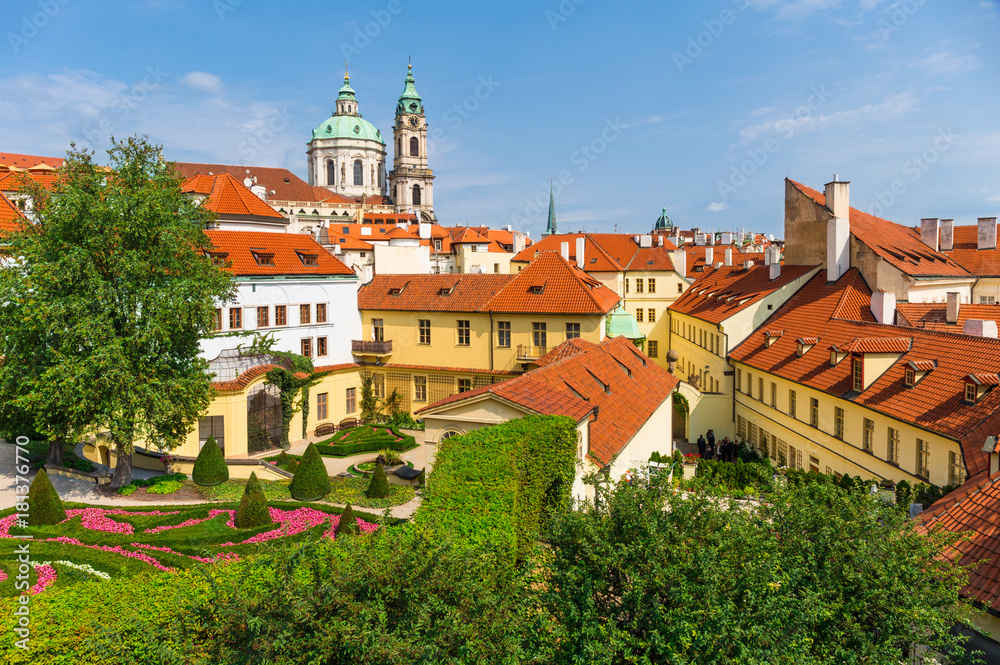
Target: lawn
(344, 490)
(100, 542)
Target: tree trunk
(123, 466)
(55, 451)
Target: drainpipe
(491, 340)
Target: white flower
(79, 566)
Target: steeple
(550, 230)
(347, 103)
(409, 101)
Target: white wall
(402, 260)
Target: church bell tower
(411, 182)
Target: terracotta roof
(612, 378)
(896, 244)
(808, 341)
(286, 185)
(696, 257)
(24, 162)
(923, 365)
(10, 217)
(431, 293)
(934, 315)
(570, 348)
(604, 252)
(936, 403)
(468, 235)
(244, 379)
(288, 251)
(14, 181)
(773, 333)
(985, 262)
(990, 379)
(880, 345)
(229, 198)
(445, 368)
(720, 293)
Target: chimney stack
(680, 262)
(718, 265)
(747, 265)
(767, 256)
(581, 244)
(929, 232)
(661, 240)
(711, 238)
(564, 250)
(980, 328)
(884, 307)
(728, 257)
(947, 235)
(838, 197)
(709, 256)
(951, 314)
(775, 271)
(726, 239)
(838, 242)
(987, 233)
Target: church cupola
(347, 103)
(411, 181)
(409, 101)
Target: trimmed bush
(364, 439)
(348, 523)
(311, 481)
(378, 488)
(253, 509)
(737, 475)
(210, 467)
(44, 505)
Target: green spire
(409, 101)
(347, 92)
(550, 230)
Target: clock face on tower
(413, 121)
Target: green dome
(347, 127)
(622, 324)
(409, 101)
(663, 222)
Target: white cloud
(203, 82)
(944, 64)
(717, 206)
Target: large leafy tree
(101, 310)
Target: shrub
(348, 523)
(44, 505)
(677, 459)
(210, 467)
(737, 475)
(391, 457)
(166, 487)
(364, 439)
(253, 510)
(378, 488)
(311, 481)
(126, 490)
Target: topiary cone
(348, 523)
(311, 481)
(210, 467)
(44, 504)
(378, 488)
(253, 510)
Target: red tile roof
(773, 333)
(990, 379)
(934, 315)
(720, 293)
(229, 198)
(15, 181)
(896, 244)
(984, 262)
(28, 161)
(880, 345)
(10, 217)
(923, 365)
(808, 341)
(603, 252)
(431, 293)
(286, 185)
(572, 347)
(287, 250)
(936, 403)
(612, 378)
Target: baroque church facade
(347, 154)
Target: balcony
(528, 352)
(378, 349)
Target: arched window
(449, 434)
(414, 147)
(359, 172)
(399, 147)
(416, 195)
(331, 172)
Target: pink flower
(3, 576)
(46, 577)
(117, 549)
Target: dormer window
(537, 290)
(803, 344)
(445, 291)
(309, 259)
(834, 356)
(977, 385)
(970, 393)
(771, 336)
(263, 258)
(909, 377)
(858, 374)
(220, 259)
(395, 292)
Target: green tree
(369, 405)
(253, 510)
(210, 466)
(106, 303)
(378, 488)
(348, 523)
(311, 481)
(44, 504)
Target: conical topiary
(348, 523)
(44, 504)
(253, 510)
(293, 465)
(210, 467)
(378, 488)
(311, 481)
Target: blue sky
(702, 108)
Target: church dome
(409, 101)
(347, 127)
(663, 222)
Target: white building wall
(402, 260)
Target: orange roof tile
(286, 185)
(880, 345)
(604, 252)
(934, 315)
(990, 379)
(720, 293)
(288, 252)
(923, 365)
(612, 380)
(28, 161)
(981, 262)
(229, 198)
(430, 293)
(773, 333)
(11, 218)
(15, 181)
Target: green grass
(345, 490)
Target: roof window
(263, 258)
(308, 259)
(537, 290)
(220, 259)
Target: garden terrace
(367, 438)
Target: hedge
(210, 466)
(367, 438)
(497, 487)
(737, 474)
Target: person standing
(701, 445)
(711, 437)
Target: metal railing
(362, 347)
(531, 352)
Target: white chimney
(718, 265)
(699, 239)
(709, 256)
(580, 246)
(564, 250)
(680, 262)
(636, 238)
(336, 249)
(775, 271)
(987, 233)
(728, 257)
(929, 232)
(711, 238)
(726, 239)
(884, 307)
(951, 314)
(838, 198)
(747, 265)
(767, 256)
(980, 328)
(424, 230)
(838, 260)
(519, 242)
(646, 241)
(661, 240)
(947, 235)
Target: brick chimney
(929, 232)
(838, 197)
(947, 235)
(951, 314)
(987, 233)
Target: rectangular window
(322, 407)
(749, 384)
(760, 389)
(892, 447)
(464, 333)
(739, 380)
(539, 336)
(859, 365)
(639, 314)
(351, 403)
(923, 458)
(774, 395)
(464, 385)
(987, 300)
(838, 422)
(235, 318)
(280, 315)
(321, 346)
(956, 471)
(626, 285)
(305, 314)
(651, 315)
(218, 319)
(753, 434)
(741, 426)
(424, 326)
(307, 347)
(653, 348)
(638, 285)
(263, 317)
(868, 435)
(321, 313)
(212, 427)
(378, 385)
(909, 377)
(503, 334)
(791, 403)
(378, 330)
(814, 412)
(651, 285)
(970, 393)
(420, 389)
(572, 330)
(814, 463)
(680, 287)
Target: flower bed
(365, 439)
